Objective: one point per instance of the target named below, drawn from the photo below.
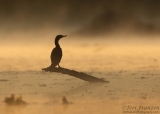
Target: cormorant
(56, 53)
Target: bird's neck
(57, 44)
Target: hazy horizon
(78, 18)
(28, 29)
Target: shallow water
(133, 73)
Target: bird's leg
(59, 66)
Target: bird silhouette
(56, 53)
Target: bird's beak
(65, 36)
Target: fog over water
(114, 40)
(28, 29)
(79, 17)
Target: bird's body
(56, 54)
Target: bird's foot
(59, 66)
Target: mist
(28, 29)
(77, 17)
(113, 40)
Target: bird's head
(60, 36)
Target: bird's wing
(53, 53)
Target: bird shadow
(80, 75)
